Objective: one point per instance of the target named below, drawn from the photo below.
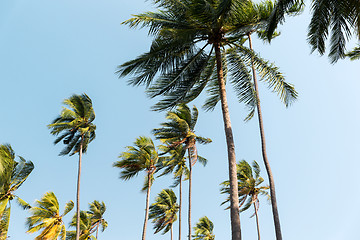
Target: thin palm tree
(12, 177)
(86, 227)
(336, 20)
(96, 212)
(164, 211)
(198, 44)
(76, 129)
(180, 130)
(204, 229)
(143, 156)
(46, 217)
(175, 163)
(249, 188)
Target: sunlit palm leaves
(143, 156)
(164, 211)
(86, 227)
(96, 213)
(182, 53)
(46, 217)
(75, 124)
(12, 177)
(204, 229)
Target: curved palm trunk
(180, 201)
(190, 175)
(97, 230)
(234, 201)
(266, 162)
(147, 208)
(78, 191)
(257, 221)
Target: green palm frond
(45, 217)
(143, 156)
(74, 124)
(204, 229)
(4, 223)
(164, 211)
(249, 185)
(354, 54)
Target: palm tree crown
(45, 217)
(164, 211)
(75, 124)
(86, 227)
(12, 177)
(204, 229)
(96, 213)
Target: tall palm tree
(175, 163)
(197, 44)
(76, 129)
(164, 211)
(336, 20)
(12, 177)
(96, 213)
(140, 157)
(249, 188)
(86, 227)
(180, 130)
(204, 229)
(45, 217)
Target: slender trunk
(180, 202)
(78, 191)
(97, 230)
(190, 175)
(147, 208)
(257, 221)
(266, 162)
(234, 199)
(171, 232)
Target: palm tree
(86, 227)
(249, 188)
(180, 129)
(197, 44)
(76, 131)
(96, 213)
(336, 20)
(12, 177)
(140, 157)
(45, 217)
(163, 211)
(204, 229)
(175, 163)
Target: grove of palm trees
(179, 119)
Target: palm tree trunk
(257, 221)
(266, 162)
(78, 191)
(234, 200)
(147, 208)
(190, 175)
(171, 232)
(180, 202)
(97, 230)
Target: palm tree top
(185, 35)
(164, 211)
(75, 124)
(142, 156)
(204, 229)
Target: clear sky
(50, 50)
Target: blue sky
(53, 49)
